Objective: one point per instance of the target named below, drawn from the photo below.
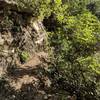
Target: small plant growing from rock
(24, 56)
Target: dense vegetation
(73, 29)
(75, 39)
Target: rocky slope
(23, 55)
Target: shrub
(24, 56)
(39, 8)
(84, 28)
(74, 41)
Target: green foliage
(84, 28)
(61, 46)
(74, 41)
(42, 8)
(39, 8)
(24, 56)
(90, 63)
(81, 30)
(94, 7)
(60, 11)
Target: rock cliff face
(17, 34)
(22, 50)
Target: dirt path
(34, 61)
